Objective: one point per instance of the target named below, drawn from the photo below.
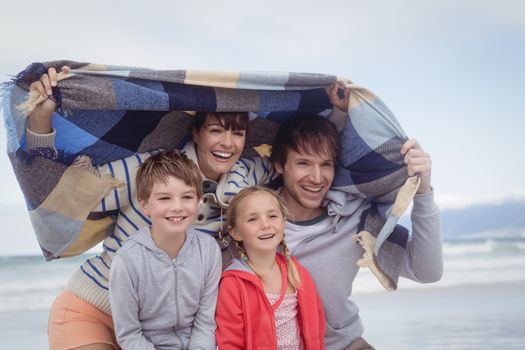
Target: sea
(29, 285)
(467, 262)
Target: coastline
(482, 316)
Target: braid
(245, 258)
(285, 250)
(293, 275)
(291, 269)
(241, 250)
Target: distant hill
(504, 220)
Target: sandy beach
(490, 316)
(23, 330)
(469, 317)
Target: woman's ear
(194, 135)
(234, 234)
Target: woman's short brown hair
(228, 120)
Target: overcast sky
(451, 71)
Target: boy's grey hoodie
(160, 303)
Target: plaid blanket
(108, 112)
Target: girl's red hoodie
(245, 318)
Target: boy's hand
(418, 162)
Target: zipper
(177, 320)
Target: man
(319, 231)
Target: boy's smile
(172, 207)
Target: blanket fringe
(84, 163)
(404, 197)
(29, 74)
(34, 98)
(367, 242)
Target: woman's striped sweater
(91, 281)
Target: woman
(81, 317)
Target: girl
(266, 299)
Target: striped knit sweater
(91, 281)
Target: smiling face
(306, 179)
(259, 223)
(217, 148)
(171, 206)
(304, 151)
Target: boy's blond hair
(164, 164)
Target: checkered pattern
(111, 112)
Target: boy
(164, 279)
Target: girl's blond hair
(291, 270)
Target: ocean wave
(465, 263)
(39, 285)
(29, 283)
(455, 248)
(484, 263)
(462, 249)
(367, 283)
(23, 303)
(521, 246)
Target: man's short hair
(164, 164)
(307, 132)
